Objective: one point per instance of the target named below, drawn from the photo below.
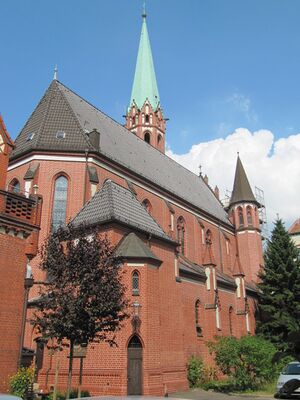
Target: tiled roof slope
(295, 228)
(62, 109)
(241, 188)
(115, 203)
(52, 114)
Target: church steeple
(144, 84)
(144, 116)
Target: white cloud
(272, 165)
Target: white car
(290, 372)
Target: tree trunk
(70, 370)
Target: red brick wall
(12, 272)
(168, 307)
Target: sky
(228, 73)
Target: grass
(264, 390)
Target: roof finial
(55, 73)
(238, 153)
(144, 15)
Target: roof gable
(5, 135)
(131, 246)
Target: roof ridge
(129, 191)
(108, 183)
(74, 115)
(46, 113)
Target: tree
(279, 296)
(84, 299)
(247, 361)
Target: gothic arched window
(197, 318)
(181, 234)
(135, 283)
(146, 203)
(59, 202)
(147, 137)
(249, 216)
(208, 237)
(240, 216)
(14, 186)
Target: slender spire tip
(55, 73)
(144, 15)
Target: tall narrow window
(15, 186)
(208, 237)
(240, 216)
(181, 234)
(146, 203)
(249, 216)
(135, 283)
(197, 316)
(59, 202)
(147, 137)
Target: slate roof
(115, 203)
(62, 109)
(241, 188)
(131, 246)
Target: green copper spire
(144, 84)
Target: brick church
(191, 264)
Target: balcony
(19, 208)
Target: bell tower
(243, 213)
(144, 116)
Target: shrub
(21, 383)
(73, 394)
(195, 371)
(220, 386)
(246, 361)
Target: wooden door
(134, 367)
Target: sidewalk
(199, 394)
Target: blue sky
(219, 64)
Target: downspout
(220, 249)
(85, 176)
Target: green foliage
(195, 371)
(279, 297)
(21, 382)
(247, 362)
(200, 374)
(225, 386)
(84, 299)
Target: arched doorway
(134, 366)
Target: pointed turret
(243, 213)
(242, 191)
(144, 115)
